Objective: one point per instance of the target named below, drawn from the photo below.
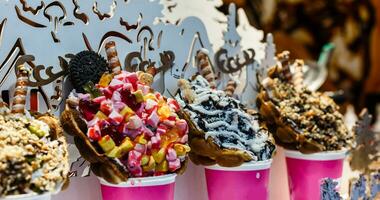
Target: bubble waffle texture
(127, 131)
(301, 120)
(221, 131)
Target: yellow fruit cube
(127, 111)
(139, 96)
(163, 166)
(164, 112)
(101, 115)
(159, 156)
(106, 143)
(115, 153)
(144, 160)
(181, 149)
(141, 139)
(150, 166)
(126, 146)
(150, 96)
(105, 80)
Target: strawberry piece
(99, 99)
(116, 97)
(169, 123)
(121, 76)
(88, 109)
(107, 92)
(140, 148)
(115, 118)
(119, 106)
(131, 133)
(128, 98)
(106, 107)
(153, 119)
(158, 95)
(115, 84)
(161, 129)
(174, 165)
(93, 122)
(156, 141)
(148, 132)
(134, 122)
(171, 155)
(93, 134)
(134, 163)
(150, 104)
(184, 139)
(173, 104)
(182, 127)
(127, 86)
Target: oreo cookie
(86, 66)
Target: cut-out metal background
(51, 30)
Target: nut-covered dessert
(299, 118)
(33, 151)
(221, 130)
(33, 155)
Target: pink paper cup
(306, 172)
(147, 188)
(248, 181)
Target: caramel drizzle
(19, 97)
(112, 57)
(205, 67)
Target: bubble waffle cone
(284, 132)
(211, 146)
(101, 165)
(298, 118)
(125, 129)
(206, 152)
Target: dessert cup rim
(324, 155)
(247, 166)
(25, 196)
(142, 181)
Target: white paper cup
(45, 196)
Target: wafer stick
(3, 107)
(284, 59)
(3, 104)
(205, 67)
(112, 57)
(19, 96)
(185, 87)
(230, 88)
(297, 78)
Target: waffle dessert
(126, 129)
(33, 150)
(299, 118)
(221, 130)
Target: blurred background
(306, 28)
